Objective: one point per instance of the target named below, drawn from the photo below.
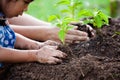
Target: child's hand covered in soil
(49, 54)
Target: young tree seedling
(97, 18)
(68, 15)
(71, 13)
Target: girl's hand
(50, 55)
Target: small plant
(70, 7)
(70, 14)
(97, 18)
(63, 24)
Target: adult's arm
(42, 31)
(27, 20)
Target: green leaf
(61, 35)
(76, 4)
(104, 17)
(58, 25)
(70, 27)
(63, 2)
(68, 19)
(85, 13)
(88, 21)
(98, 21)
(65, 11)
(52, 18)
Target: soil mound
(97, 59)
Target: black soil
(97, 59)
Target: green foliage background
(42, 9)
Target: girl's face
(14, 8)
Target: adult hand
(71, 36)
(50, 55)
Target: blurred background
(42, 9)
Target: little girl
(41, 52)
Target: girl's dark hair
(8, 0)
